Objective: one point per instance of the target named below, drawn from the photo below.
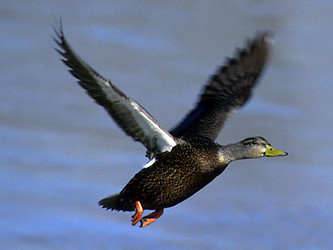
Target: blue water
(60, 153)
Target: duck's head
(255, 147)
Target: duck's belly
(160, 187)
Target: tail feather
(111, 202)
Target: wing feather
(227, 91)
(128, 114)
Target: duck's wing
(226, 92)
(128, 114)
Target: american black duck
(185, 159)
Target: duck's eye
(254, 143)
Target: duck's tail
(111, 202)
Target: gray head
(252, 147)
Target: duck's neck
(231, 152)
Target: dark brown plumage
(186, 159)
(174, 177)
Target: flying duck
(185, 159)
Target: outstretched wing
(226, 92)
(128, 114)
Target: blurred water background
(60, 153)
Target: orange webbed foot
(138, 213)
(150, 218)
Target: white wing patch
(149, 163)
(149, 131)
(127, 113)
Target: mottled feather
(187, 158)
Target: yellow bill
(271, 152)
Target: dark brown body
(192, 162)
(174, 177)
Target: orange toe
(150, 218)
(138, 213)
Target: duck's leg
(150, 218)
(138, 213)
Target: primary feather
(227, 91)
(128, 114)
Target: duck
(185, 159)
